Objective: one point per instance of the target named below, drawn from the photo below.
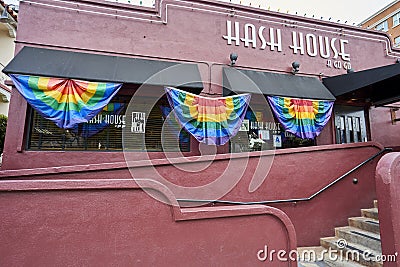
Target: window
(350, 124)
(396, 19)
(382, 26)
(104, 131)
(261, 131)
(397, 41)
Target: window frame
(384, 25)
(395, 18)
(396, 44)
(30, 120)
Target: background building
(387, 19)
(8, 27)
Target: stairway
(354, 245)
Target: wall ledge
(4, 174)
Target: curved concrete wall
(294, 173)
(122, 226)
(388, 191)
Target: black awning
(379, 85)
(95, 67)
(268, 83)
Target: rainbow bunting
(301, 117)
(173, 125)
(64, 101)
(209, 120)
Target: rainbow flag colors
(209, 120)
(66, 102)
(301, 117)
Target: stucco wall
(185, 31)
(6, 54)
(127, 228)
(7, 49)
(257, 176)
(79, 208)
(382, 129)
(4, 108)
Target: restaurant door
(350, 124)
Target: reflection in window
(341, 131)
(351, 130)
(260, 131)
(382, 26)
(358, 129)
(396, 19)
(397, 41)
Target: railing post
(388, 193)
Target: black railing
(293, 199)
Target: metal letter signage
(332, 49)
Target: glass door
(350, 124)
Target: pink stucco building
(123, 196)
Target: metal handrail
(293, 199)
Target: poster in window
(277, 140)
(245, 127)
(263, 134)
(138, 122)
(259, 116)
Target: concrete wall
(388, 187)
(4, 108)
(382, 129)
(185, 32)
(193, 31)
(7, 49)
(121, 226)
(257, 176)
(6, 54)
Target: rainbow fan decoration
(209, 120)
(301, 117)
(66, 102)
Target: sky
(352, 11)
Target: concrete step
(341, 263)
(310, 254)
(355, 235)
(366, 224)
(340, 250)
(370, 213)
(312, 264)
(318, 257)
(375, 203)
